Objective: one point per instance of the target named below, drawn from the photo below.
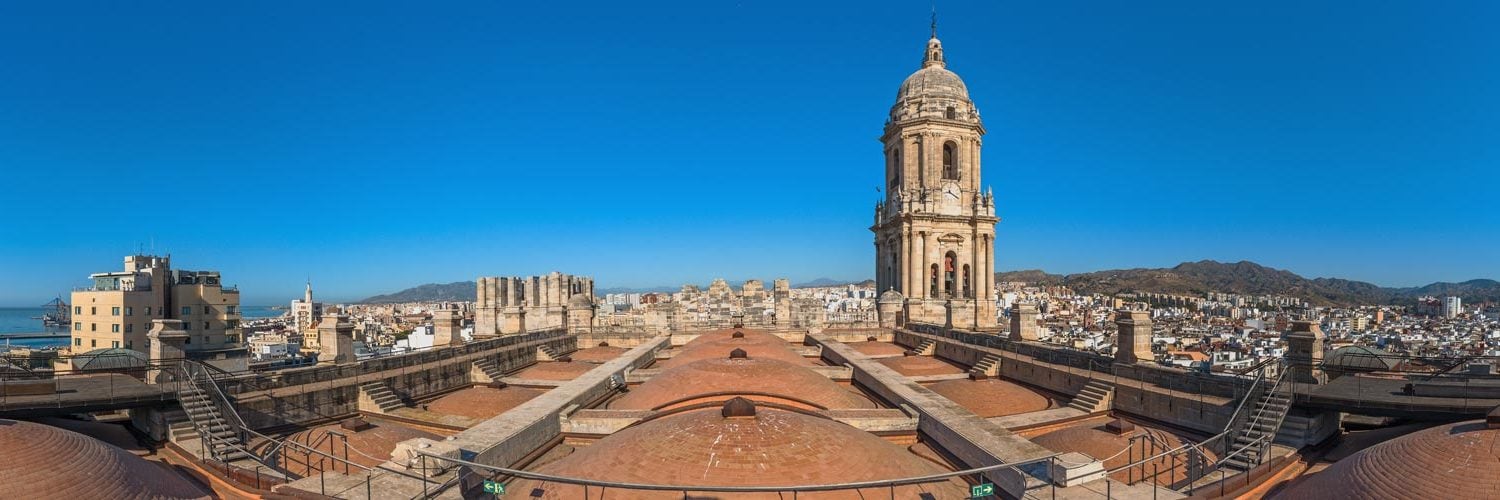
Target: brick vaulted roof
(765, 380)
(1459, 461)
(38, 461)
(992, 397)
(756, 343)
(917, 366)
(769, 448)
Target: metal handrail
(929, 478)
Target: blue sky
(374, 146)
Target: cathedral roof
(40, 461)
(744, 447)
(1448, 461)
(758, 379)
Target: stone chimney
(1304, 353)
(447, 327)
(1023, 321)
(167, 339)
(1133, 341)
(335, 340)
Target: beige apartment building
(117, 309)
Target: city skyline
(404, 148)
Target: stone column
(906, 263)
(335, 339)
(1133, 341)
(1023, 322)
(167, 339)
(1305, 353)
(447, 327)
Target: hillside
(1249, 278)
(431, 292)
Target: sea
(28, 320)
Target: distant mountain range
(458, 291)
(1249, 278)
(465, 290)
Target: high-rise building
(1452, 307)
(305, 317)
(117, 309)
(935, 229)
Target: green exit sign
(494, 487)
(981, 490)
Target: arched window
(934, 280)
(950, 274)
(894, 161)
(968, 290)
(950, 161)
(952, 114)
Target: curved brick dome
(1459, 460)
(770, 448)
(917, 366)
(1102, 443)
(765, 380)
(39, 461)
(992, 397)
(716, 345)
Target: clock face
(951, 191)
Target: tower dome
(934, 92)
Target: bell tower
(935, 228)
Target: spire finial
(934, 19)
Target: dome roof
(110, 358)
(758, 379)
(1358, 357)
(580, 300)
(756, 343)
(892, 296)
(46, 462)
(933, 81)
(769, 448)
(992, 397)
(934, 92)
(1456, 460)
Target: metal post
(1153, 481)
(1052, 466)
(424, 476)
(367, 485)
(257, 477)
(323, 489)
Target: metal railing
(436, 483)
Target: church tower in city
(935, 228)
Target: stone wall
(1195, 400)
(310, 394)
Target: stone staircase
(1097, 396)
(378, 397)
(547, 353)
(491, 370)
(988, 366)
(223, 442)
(179, 427)
(926, 347)
(1270, 412)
